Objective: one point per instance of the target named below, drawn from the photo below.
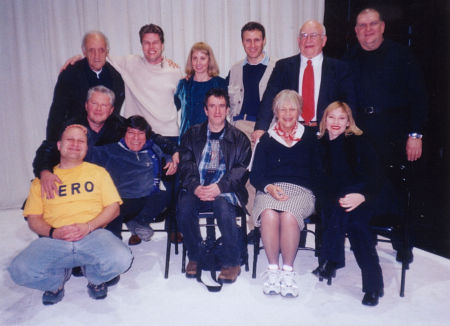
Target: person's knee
(223, 209)
(118, 256)
(19, 270)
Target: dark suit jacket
(70, 94)
(336, 84)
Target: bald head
(312, 38)
(95, 48)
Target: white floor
(144, 297)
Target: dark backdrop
(424, 27)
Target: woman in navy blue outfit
(349, 182)
(282, 172)
(201, 75)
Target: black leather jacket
(236, 149)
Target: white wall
(37, 36)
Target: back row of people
(319, 79)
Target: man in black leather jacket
(214, 157)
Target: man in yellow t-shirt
(70, 227)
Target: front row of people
(290, 168)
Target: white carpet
(144, 297)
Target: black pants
(143, 210)
(338, 223)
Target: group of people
(277, 138)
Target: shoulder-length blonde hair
(213, 68)
(287, 96)
(351, 129)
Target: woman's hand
(276, 192)
(351, 201)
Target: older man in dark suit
(74, 82)
(319, 79)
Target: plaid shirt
(212, 165)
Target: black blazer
(70, 94)
(336, 84)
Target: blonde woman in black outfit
(282, 175)
(349, 182)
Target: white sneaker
(271, 281)
(288, 284)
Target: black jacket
(236, 149)
(336, 84)
(348, 164)
(71, 90)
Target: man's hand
(71, 61)
(172, 166)
(257, 135)
(413, 148)
(276, 192)
(351, 201)
(172, 64)
(49, 183)
(207, 193)
(73, 232)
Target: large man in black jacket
(332, 78)
(392, 106)
(392, 102)
(74, 82)
(214, 157)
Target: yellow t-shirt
(84, 192)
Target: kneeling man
(214, 157)
(70, 227)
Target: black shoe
(49, 297)
(316, 272)
(77, 272)
(97, 292)
(371, 298)
(328, 272)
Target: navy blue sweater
(274, 162)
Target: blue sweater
(133, 173)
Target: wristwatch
(415, 135)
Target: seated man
(103, 126)
(135, 164)
(70, 227)
(214, 157)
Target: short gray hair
(91, 33)
(287, 96)
(101, 89)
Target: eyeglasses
(314, 36)
(371, 24)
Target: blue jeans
(43, 263)
(225, 213)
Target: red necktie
(308, 93)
